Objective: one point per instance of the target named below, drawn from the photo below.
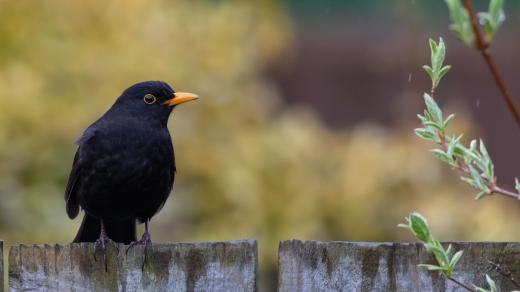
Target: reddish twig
(491, 184)
(482, 47)
(461, 284)
(462, 166)
(498, 190)
(506, 273)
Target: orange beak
(180, 97)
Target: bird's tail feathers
(89, 230)
(118, 231)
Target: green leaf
(430, 267)
(438, 57)
(471, 156)
(480, 163)
(433, 49)
(433, 109)
(476, 176)
(489, 168)
(517, 185)
(440, 255)
(449, 249)
(427, 116)
(425, 134)
(491, 283)
(496, 8)
(437, 244)
(429, 71)
(461, 24)
(421, 118)
(459, 151)
(420, 227)
(483, 150)
(448, 120)
(452, 145)
(469, 181)
(493, 19)
(455, 259)
(444, 71)
(443, 156)
(433, 125)
(481, 195)
(473, 145)
(490, 171)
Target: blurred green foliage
(247, 165)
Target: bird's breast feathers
(116, 149)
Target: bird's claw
(101, 243)
(146, 240)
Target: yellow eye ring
(149, 99)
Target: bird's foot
(145, 240)
(101, 243)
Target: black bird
(124, 167)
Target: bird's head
(151, 100)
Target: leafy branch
(436, 71)
(473, 161)
(446, 259)
(466, 27)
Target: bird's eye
(149, 99)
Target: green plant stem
(461, 284)
(482, 47)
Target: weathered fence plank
(356, 266)
(205, 266)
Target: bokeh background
(304, 129)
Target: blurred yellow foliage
(247, 166)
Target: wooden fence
(233, 266)
(359, 266)
(205, 266)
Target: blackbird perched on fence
(124, 167)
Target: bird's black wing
(173, 167)
(71, 200)
(72, 205)
(168, 183)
